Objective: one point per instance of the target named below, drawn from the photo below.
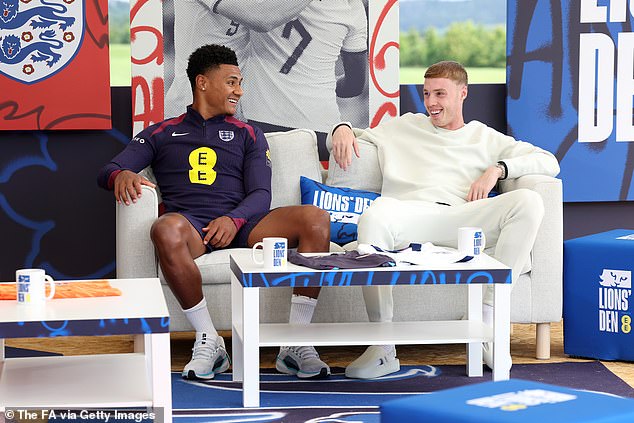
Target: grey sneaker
(208, 358)
(301, 361)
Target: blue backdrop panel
(544, 85)
(485, 102)
(52, 213)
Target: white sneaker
(487, 347)
(304, 362)
(209, 358)
(374, 362)
(487, 356)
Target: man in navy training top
(214, 173)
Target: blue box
(509, 401)
(597, 295)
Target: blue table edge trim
(367, 277)
(86, 327)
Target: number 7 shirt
(290, 79)
(204, 168)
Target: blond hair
(448, 69)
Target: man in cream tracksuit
(437, 175)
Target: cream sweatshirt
(422, 162)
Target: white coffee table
(248, 334)
(139, 379)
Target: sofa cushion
(293, 154)
(364, 173)
(345, 206)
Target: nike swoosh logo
(179, 134)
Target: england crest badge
(226, 136)
(38, 38)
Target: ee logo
(202, 161)
(626, 325)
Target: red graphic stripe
(380, 58)
(152, 113)
(386, 108)
(157, 53)
(240, 124)
(174, 121)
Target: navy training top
(204, 168)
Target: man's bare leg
(177, 244)
(308, 229)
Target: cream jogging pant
(510, 222)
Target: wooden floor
(522, 350)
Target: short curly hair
(448, 69)
(208, 57)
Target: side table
(139, 379)
(248, 334)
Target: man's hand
(343, 143)
(220, 232)
(127, 186)
(484, 184)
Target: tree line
(119, 20)
(473, 45)
(465, 42)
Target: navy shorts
(242, 237)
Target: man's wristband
(112, 177)
(502, 166)
(348, 124)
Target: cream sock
(302, 309)
(200, 319)
(487, 314)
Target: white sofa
(536, 298)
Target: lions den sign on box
(598, 295)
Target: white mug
(471, 241)
(273, 252)
(31, 286)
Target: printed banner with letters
(570, 80)
(54, 65)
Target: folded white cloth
(426, 254)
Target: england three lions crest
(39, 38)
(226, 136)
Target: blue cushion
(345, 205)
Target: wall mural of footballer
(305, 63)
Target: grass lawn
(120, 65)
(476, 75)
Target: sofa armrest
(135, 251)
(547, 255)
